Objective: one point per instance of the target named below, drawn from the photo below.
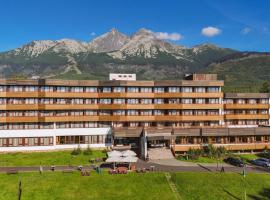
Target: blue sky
(238, 24)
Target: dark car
(234, 161)
(264, 162)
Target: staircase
(160, 153)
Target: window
(146, 112)
(76, 101)
(90, 112)
(174, 89)
(174, 101)
(146, 101)
(173, 112)
(31, 101)
(146, 89)
(46, 89)
(132, 112)
(3, 88)
(252, 101)
(16, 88)
(90, 89)
(158, 112)
(90, 101)
(213, 101)
(199, 89)
(132, 89)
(264, 101)
(61, 101)
(104, 112)
(119, 112)
(105, 101)
(200, 101)
(213, 89)
(186, 89)
(186, 101)
(46, 101)
(106, 89)
(31, 88)
(158, 101)
(187, 112)
(132, 101)
(240, 101)
(119, 101)
(228, 101)
(76, 89)
(159, 90)
(61, 89)
(3, 101)
(119, 89)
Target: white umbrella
(128, 153)
(114, 153)
(114, 159)
(130, 159)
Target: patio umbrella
(128, 153)
(130, 159)
(114, 153)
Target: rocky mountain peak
(110, 41)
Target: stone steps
(160, 153)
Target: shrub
(76, 151)
(88, 151)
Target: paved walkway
(175, 162)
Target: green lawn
(217, 186)
(47, 158)
(149, 186)
(61, 186)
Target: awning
(215, 132)
(127, 132)
(186, 132)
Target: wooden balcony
(246, 116)
(246, 106)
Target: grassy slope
(73, 186)
(245, 74)
(47, 158)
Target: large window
(105, 101)
(119, 101)
(146, 89)
(132, 89)
(133, 101)
(119, 89)
(174, 89)
(146, 101)
(90, 89)
(159, 89)
(186, 89)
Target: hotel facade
(42, 114)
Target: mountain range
(142, 53)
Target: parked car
(234, 161)
(264, 162)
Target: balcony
(246, 116)
(246, 106)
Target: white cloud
(210, 31)
(168, 36)
(93, 34)
(246, 30)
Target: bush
(88, 151)
(194, 153)
(76, 151)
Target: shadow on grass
(263, 195)
(232, 195)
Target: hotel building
(43, 114)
